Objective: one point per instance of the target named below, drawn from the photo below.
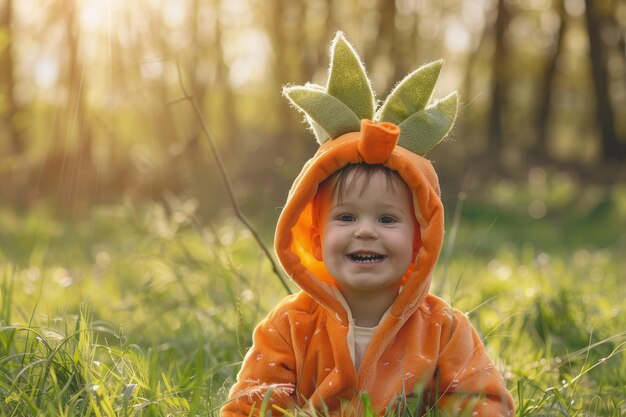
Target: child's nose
(365, 230)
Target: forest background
(113, 209)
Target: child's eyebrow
(390, 206)
(348, 206)
(339, 206)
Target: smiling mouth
(366, 257)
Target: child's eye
(387, 220)
(345, 217)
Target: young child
(360, 234)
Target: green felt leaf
(411, 95)
(320, 135)
(329, 114)
(426, 128)
(348, 80)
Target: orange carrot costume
(303, 350)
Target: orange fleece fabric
(301, 350)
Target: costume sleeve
(268, 365)
(467, 378)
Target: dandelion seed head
(258, 390)
(247, 295)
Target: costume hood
(349, 128)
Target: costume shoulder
(438, 310)
(451, 320)
(300, 301)
(295, 304)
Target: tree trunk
(398, 45)
(498, 99)
(544, 103)
(470, 127)
(612, 147)
(77, 114)
(387, 43)
(77, 175)
(7, 81)
(223, 85)
(404, 47)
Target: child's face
(367, 235)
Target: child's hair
(342, 185)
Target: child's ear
(316, 244)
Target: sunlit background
(89, 87)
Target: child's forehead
(377, 188)
(358, 182)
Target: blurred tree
(546, 89)
(67, 172)
(276, 17)
(395, 41)
(612, 146)
(498, 80)
(214, 95)
(78, 180)
(9, 107)
(77, 117)
(317, 25)
(285, 25)
(222, 86)
(476, 57)
(168, 139)
(99, 124)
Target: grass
(138, 311)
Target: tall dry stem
(226, 180)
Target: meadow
(147, 309)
